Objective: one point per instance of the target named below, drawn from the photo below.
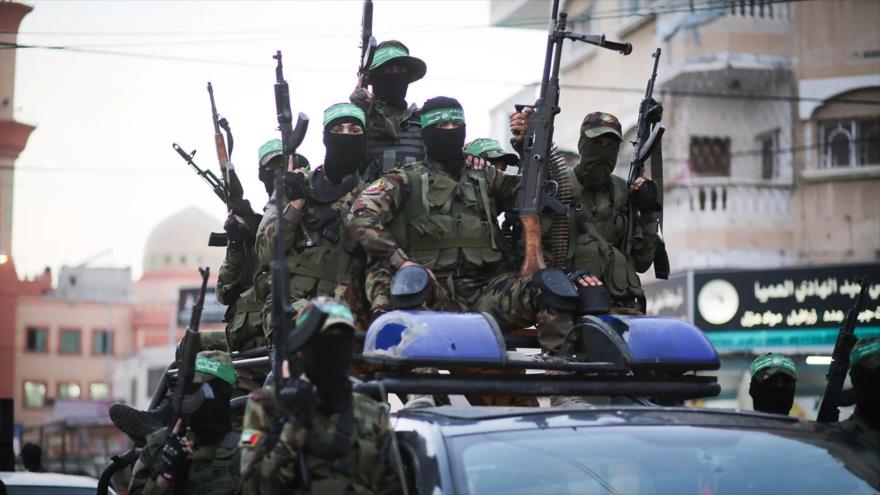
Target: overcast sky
(99, 172)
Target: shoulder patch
(377, 186)
(249, 438)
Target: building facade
(771, 158)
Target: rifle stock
(538, 141)
(829, 409)
(189, 348)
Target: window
(101, 342)
(69, 341)
(69, 390)
(850, 142)
(710, 156)
(37, 339)
(34, 394)
(768, 143)
(99, 391)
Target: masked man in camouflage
(200, 457)
(317, 435)
(773, 381)
(394, 132)
(864, 373)
(442, 216)
(236, 284)
(321, 257)
(599, 212)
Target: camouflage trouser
(298, 301)
(510, 299)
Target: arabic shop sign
(212, 312)
(784, 299)
(669, 298)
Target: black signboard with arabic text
(787, 298)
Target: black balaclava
(444, 145)
(343, 152)
(211, 420)
(390, 88)
(326, 359)
(865, 377)
(598, 158)
(772, 394)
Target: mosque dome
(180, 243)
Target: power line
(709, 94)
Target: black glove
(655, 111)
(174, 457)
(238, 232)
(297, 397)
(295, 186)
(646, 197)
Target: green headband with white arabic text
(434, 117)
(777, 361)
(860, 352)
(213, 367)
(340, 110)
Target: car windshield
(645, 460)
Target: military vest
(447, 224)
(602, 233)
(389, 148)
(321, 257)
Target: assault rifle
(189, 346)
(648, 139)
(829, 411)
(282, 312)
(368, 42)
(539, 134)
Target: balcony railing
(715, 202)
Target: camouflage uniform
(345, 438)
(235, 289)
(393, 134)
(599, 218)
(213, 467)
(321, 262)
(269, 457)
(420, 213)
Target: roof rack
(616, 355)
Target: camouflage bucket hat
(343, 110)
(214, 364)
(396, 52)
(598, 123)
(269, 150)
(490, 149)
(773, 363)
(863, 349)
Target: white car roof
(24, 478)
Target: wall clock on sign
(718, 301)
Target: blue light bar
(658, 342)
(420, 336)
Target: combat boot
(138, 424)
